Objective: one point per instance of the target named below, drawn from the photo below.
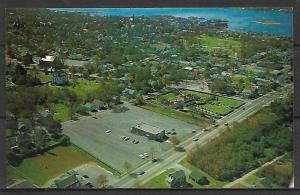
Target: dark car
(154, 160)
(141, 172)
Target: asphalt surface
(90, 134)
(171, 157)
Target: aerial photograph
(149, 98)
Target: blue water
(239, 19)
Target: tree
(102, 180)
(139, 100)
(152, 153)
(39, 138)
(127, 166)
(174, 140)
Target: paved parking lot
(89, 134)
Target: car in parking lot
(195, 139)
(135, 141)
(126, 138)
(226, 124)
(108, 131)
(146, 154)
(194, 131)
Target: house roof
(66, 180)
(177, 174)
(149, 128)
(48, 59)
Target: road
(171, 156)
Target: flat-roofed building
(152, 132)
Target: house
(95, 105)
(198, 178)
(71, 180)
(47, 59)
(129, 93)
(151, 132)
(44, 117)
(177, 179)
(59, 78)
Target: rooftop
(149, 128)
(48, 59)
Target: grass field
(233, 103)
(170, 96)
(52, 164)
(218, 109)
(61, 111)
(159, 181)
(213, 43)
(204, 96)
(176, 114)
(213, 183)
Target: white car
(196, 139)
(146, 154)
(108, 131)
(126, 138)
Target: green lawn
(204, 96)
(52, 164)
(170, 96)
(233, 103)
(159, 181)
(214, 43)
(213, 183)
(218, 109)
(13, 175)
(61, 111)
(176, 114)
(84, 86)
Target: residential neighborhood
(145, 98)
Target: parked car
(195, 139)
(226, 124)
(108, 131)
(126, 138)
(146, 154)
(194, 131)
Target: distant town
(145, 102)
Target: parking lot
(90, 134)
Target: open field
(213, 44)
(52, 164)
(89, 134)
(177, 114)
(218, 109)
(159, 181)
